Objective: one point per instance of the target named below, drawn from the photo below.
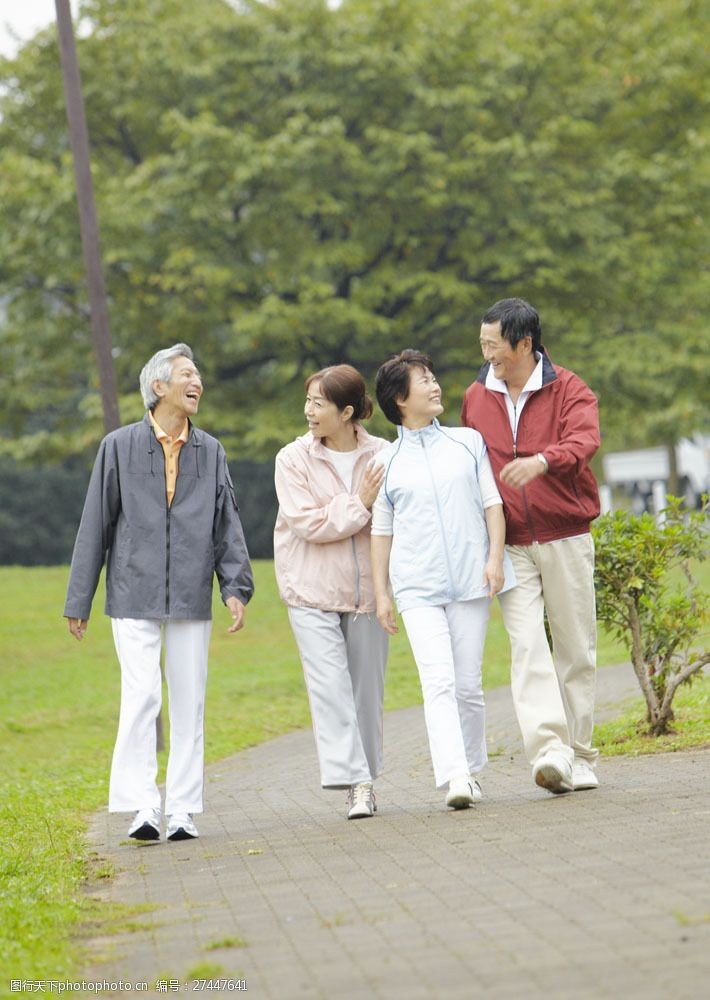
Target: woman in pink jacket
(326, 484)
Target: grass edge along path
(58, 716)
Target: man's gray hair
(160, 367)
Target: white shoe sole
(360, 813)
(586, 785)
(551, 779)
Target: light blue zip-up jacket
(438, 482)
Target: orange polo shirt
(171, 449)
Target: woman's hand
(386, 616)
(374, 474)
(493, 576)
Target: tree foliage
(286, 186)
(662, 622)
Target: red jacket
(561, 420)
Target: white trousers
(447, 644)
(134, 767)
(343, 657)
(553, 692)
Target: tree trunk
(639, 665)
(88, 223)
(673, 485)
(665, 712)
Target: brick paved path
(590, 895)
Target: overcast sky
(24, 17)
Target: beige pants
(553, 692)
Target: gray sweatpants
(343, 657)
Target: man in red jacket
(541, 425)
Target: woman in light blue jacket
(438, 544)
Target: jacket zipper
(452, 589)
(357, 573)
(167, 559)
(167, 528)
(514, 435)
(354, 546)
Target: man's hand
(236, 609)
(78, 627)
(386, 616)
(522, 471)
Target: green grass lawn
(58, 718)
(627, 734)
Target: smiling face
(325, 420)
(510, 364)
(180, 397)
(423, 402)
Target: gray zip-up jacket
(160, 560)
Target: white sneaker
(463, 792)
(145, 825)
(554, 772)
(181, 827)
(361, 801)
(583, 776)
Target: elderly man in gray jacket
(161, 512)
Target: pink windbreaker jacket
(322, 532)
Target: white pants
(134, 767)
(344, 657)
(447, 643)
(553, 694)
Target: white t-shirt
(344, 462)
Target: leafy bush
(660, 614)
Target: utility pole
(89, 227)
(91, 246)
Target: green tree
(286, 186)
(638, 600)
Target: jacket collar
(194, 434)
(315, 447)
(407, 434)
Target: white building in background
(643, 474)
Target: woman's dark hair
(517, 319)
(392, 381)
(344, 386)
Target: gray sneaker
(361, 801)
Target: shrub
(661, 615)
